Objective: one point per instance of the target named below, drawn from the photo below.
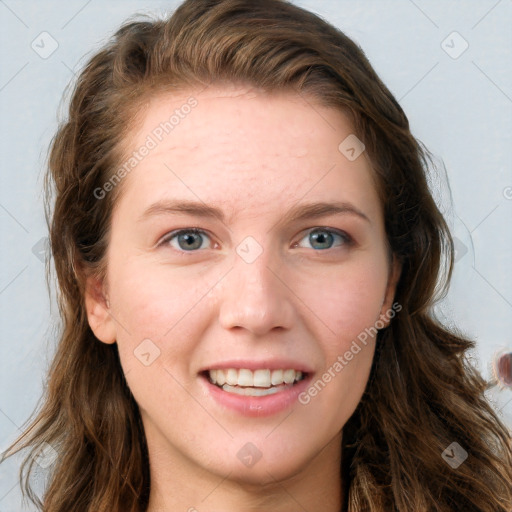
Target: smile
(261, 382)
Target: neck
(184, 486)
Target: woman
(247, 255)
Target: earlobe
(98, 311)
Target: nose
(257, 297)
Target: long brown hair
(422, 395)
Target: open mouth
(260, 382)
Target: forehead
(232, 143)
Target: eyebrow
(300, 212)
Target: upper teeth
(257, 378)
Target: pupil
(190, 241)
(323, 238)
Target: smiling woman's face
(220, 260)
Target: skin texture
(254, 155)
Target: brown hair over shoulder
(422, 393)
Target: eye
(324, 238)
(187, 239)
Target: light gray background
(459, 107)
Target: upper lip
(265, 364)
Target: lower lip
(257, 406)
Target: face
(247, 253)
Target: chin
(265, 473)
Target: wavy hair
(422, 394)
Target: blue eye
(322, 238)
(192, 239)
(186, 239)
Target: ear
(394, 276)
(98, 311)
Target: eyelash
(347, 240)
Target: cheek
(347, 300)
(144, 310)
(152, 300)
(157, 327)
(169, 308)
